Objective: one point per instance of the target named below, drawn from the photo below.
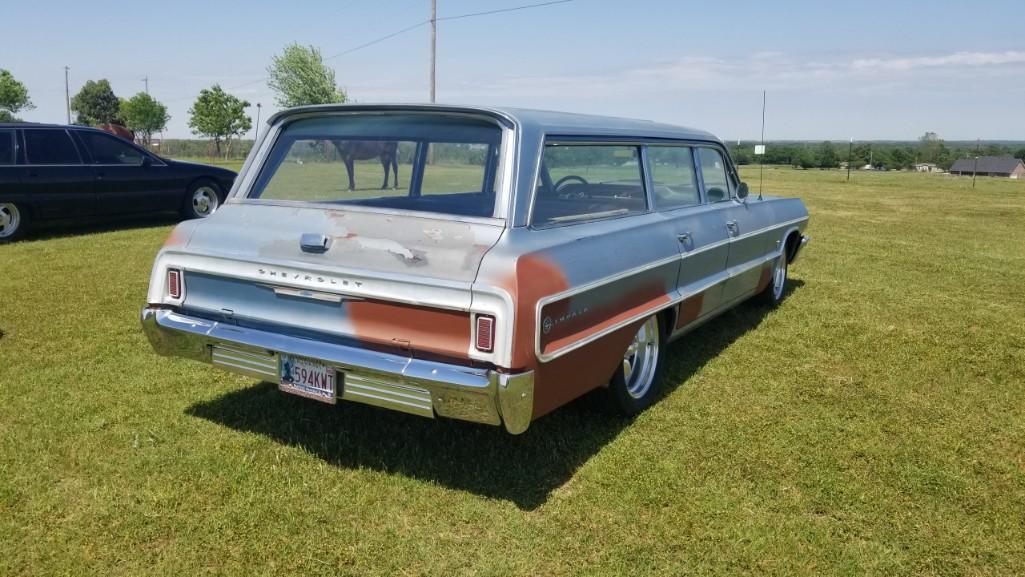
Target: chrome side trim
(391, 381)
(675, 300)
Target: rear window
(423, 162)
(583, 182)
(50, 147)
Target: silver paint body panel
(246, 263)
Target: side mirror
(742, 191)
(146, 162)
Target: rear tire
(774, 293)
(202, 199)
(14, 221)
(636, 383)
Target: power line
(501, 10)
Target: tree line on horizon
(929, 148)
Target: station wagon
(474, 263)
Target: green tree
(803, 157)
(930, 147)
(96, 103)
(827, 155)
(1020, 154)
(13, 97)
(901, 157)
(144, 115)
(299, 77)
(219, 116)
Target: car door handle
(314, 242)
(683, 237)
(731, 225)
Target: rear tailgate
(394, 279)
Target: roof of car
(45, 125)
(544, 121)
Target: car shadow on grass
(69, 228)
(483, 460)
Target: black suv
(52, 172)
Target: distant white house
(927, 167)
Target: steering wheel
(567, 179)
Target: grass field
(874, 424)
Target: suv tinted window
(672, 176)
(713, 171)
(6, 147)
(106, 149)
(44, 146)
(581, 182)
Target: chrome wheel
(205, 201)
(779, 277)
(641, 359)
(10, 220)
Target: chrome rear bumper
(386, 380)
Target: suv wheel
(203, 199)
(13, 221)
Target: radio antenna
(761, 164)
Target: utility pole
(67, 93)
(850, 153)
(975, 169)
(257, 135)
(146, 80)
(434, 44)
(761, 162)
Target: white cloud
(957, 59)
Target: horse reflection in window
(352, 150)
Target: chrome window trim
(504, 176)
(493, 221)
(729, 273)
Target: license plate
(307, 378)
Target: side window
(581, 182)
(713, 172)
(43, 146)
(107, 149)
(672, 176)
(7, 147)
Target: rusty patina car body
(526, 258)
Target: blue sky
(864, 70)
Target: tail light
(485, 333)
(174, 283)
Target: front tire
(636, 383)
(14, 221)
(203, 199)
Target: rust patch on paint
(690, 310)
(534, 278)
(434, 331)
(561, 380)
(765, 278)
(176, 238)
